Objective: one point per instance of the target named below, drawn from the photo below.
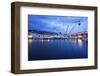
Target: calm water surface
(57, 49)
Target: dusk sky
(58, 23)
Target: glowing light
(30, 41)
(48, 40)
(30, 36)
(45, 40)
(80, 42)
(79, 36)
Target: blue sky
(58, 23)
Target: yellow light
(30, 41)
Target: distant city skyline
(63, 24)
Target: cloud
(57, 23)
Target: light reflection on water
(45, 49)
(80, 42)
(45, 40)
(30, 41)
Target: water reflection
(80, 42)
(45, 40)
(30, 41)
(45, 49)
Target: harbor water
(51, 49)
